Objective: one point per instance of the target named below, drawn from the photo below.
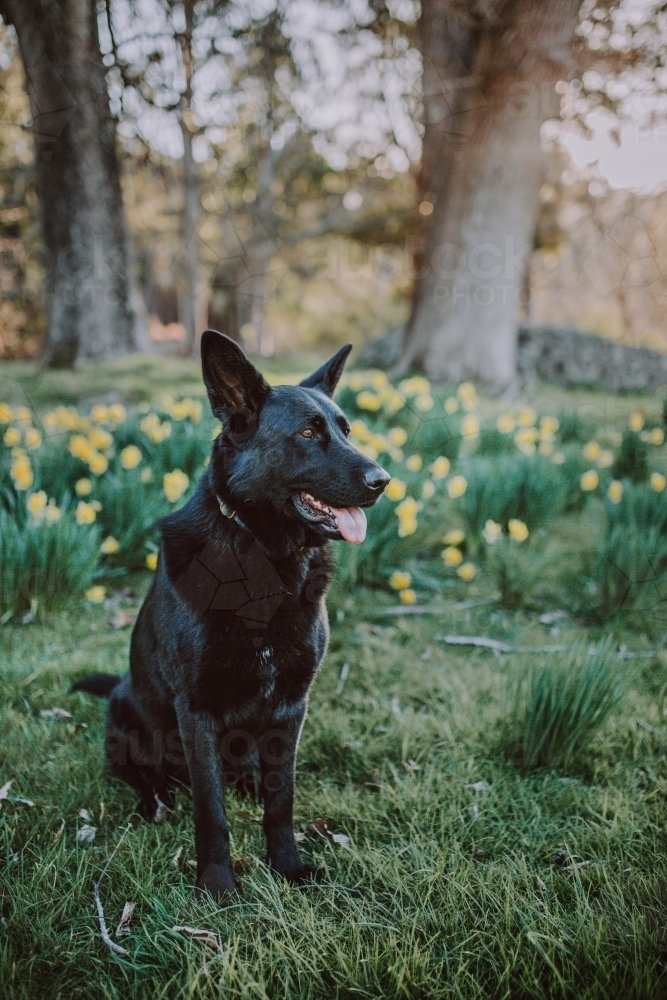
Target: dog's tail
(100, 684)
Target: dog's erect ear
(236, 390)
(326, 378)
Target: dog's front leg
(277, 760)
(215, 873)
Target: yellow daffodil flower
(400, 580)
(590, 480)
(615, 491)
(457, 486)
(518, 531)
(466, 572)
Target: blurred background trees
(300, 173)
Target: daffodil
(33, 438)
(98, 464)
(99, 438)
(457, 486)
(367, 400)
(525, 440)
(526, 417)
(605, 459)
(505, 423)
(109, 546)
(636, 421)
(658, 482)
(146, 474)
(415, 386)
(130, 456)
(424, 402)
(408, 508)
(454, 537)
(428, 489)
(558, 457)
(21, 471)
(414, 463)
(151, 560)
(85, 513)
(451, 405)
(491, 532)
(99, 413)
(52, 513)
(175, 484)
(466, 572)
(657, 436)
(80, 447)
(378, 380)
(83, 487)
(36, 504)
(12, 437)
(397, 436)
(399, 580)
(470, 425)
(549, 424)
(592, 450)
(117, 413)
(407, 526)
(440, 468)
(22, 414)
(518, 531)
(5, 413)
(615, 491)
(467, 395)
(589, 480)
(96, 594)
(395, 490)
(408, 596)
(546, 448)
(452, 556)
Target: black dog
(234, 627)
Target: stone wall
(563, 355)
(569, 357)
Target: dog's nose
(376, 479)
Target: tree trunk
(89, 315)
(190, 188)
(487, 178)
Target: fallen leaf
(5, 790)
(193, 864)
(341, 839)
(85, 815)
(396, 708)
(123, 929)
(319, 828)
(479, 786)
(206, 937)
(581, 865)
(374, 783)
(473, 811)
(248, 817)
(411, 766)
(426, 655)
(479, 854)
(86, 834)
(24, 802)
(55, 713)
(176, 858)
(161, 810)
(242, 865)
(552, 616)
(558, 858)
(299, 837)
(121, 620)
(76, 727)
(539, 884)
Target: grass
(447, 902)
(462, 875)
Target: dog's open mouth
(349, 522)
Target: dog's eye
(308, 433)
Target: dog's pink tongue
(351, 523)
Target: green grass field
(465, 875)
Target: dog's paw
(217, 881)
(302, 874)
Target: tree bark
(190, 188)
(487, 177)
(87, 273)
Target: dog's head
(286, 448)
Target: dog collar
(229, 513)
